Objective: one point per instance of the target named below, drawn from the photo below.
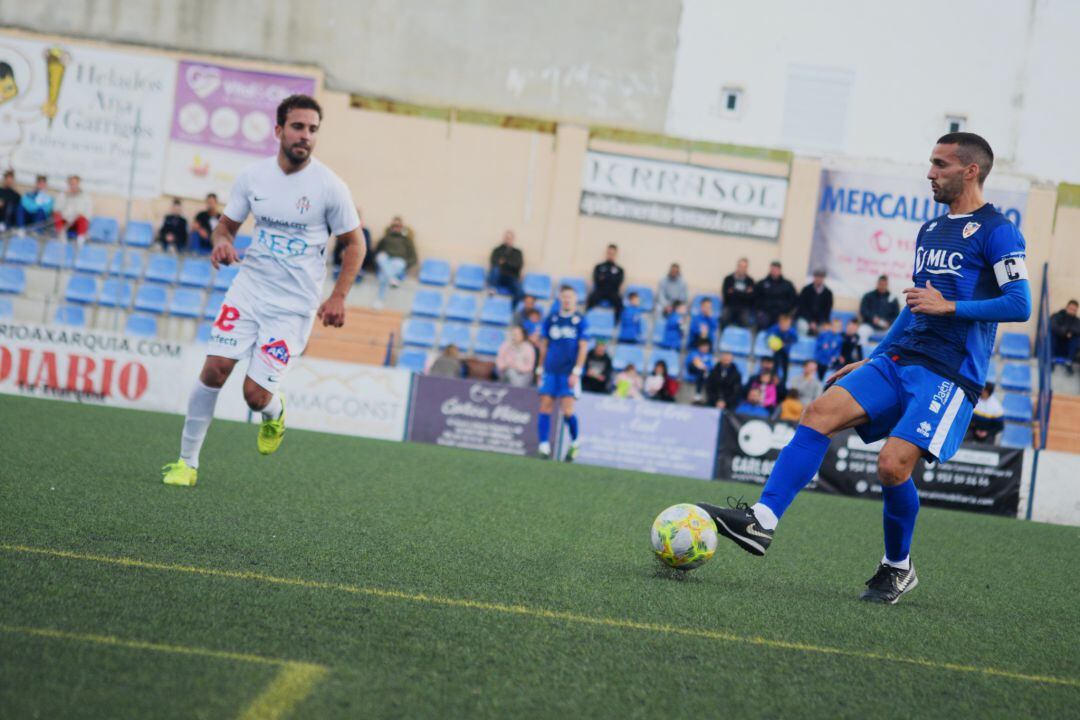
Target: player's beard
(946, 193)
(295, 158)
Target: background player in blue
(918, 388)
(563, 345)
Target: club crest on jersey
(939, 261)
(303, 205)
(970, 229)
(276, 352)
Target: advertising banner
(473, 415)
(223, 120)
(867, 222)
(71, 109)
(648, 436)
(692, 197)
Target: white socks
(199, 414)
(904, 564)
(765, 516)
(272, 411)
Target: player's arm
(579, 363)
(541, 353)
(332, 311)
(223, 239)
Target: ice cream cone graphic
(56, 61)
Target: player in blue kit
(919, 387)
(563, 345)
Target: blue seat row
(420, 332)
(463, 307)
(118, 293)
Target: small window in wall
(731, 100)
(955, 123)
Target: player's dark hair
(632, 294)
(9, 173)
(41, 178)
(1071, 302)
(973, 149)
(6, 71)
(990, 387)
(612, 246)
(882, 277)
(211, 195)
(296, 102)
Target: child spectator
(752, 405)
(173, 234)
(673, 327)
(781, 337)
(702, 325)
(765, 383)
(850, 345)
(628, 383)
(827, 347)
(36, 206)
(661, 386)
(699, 363)
(516, 361)
(74, 210)
(632, 322)
(597, 376)
(723, 387)
(531, 325)
(792, 408)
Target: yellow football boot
(179, 473)
(272, 431)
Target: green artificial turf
(570, 615)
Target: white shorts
(269, 337)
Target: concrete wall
(1056, 496)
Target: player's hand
(224, 253)
(844, 371)
(928, 300)
(332, 312)
(573, 381)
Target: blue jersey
(563, 333)
(966, 257)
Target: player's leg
(543, 422)
(896, 574)
(200, 412)
(567, 403)
(281, 338)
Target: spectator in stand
(36, 206)
(607, 280)
(776, 296)
(781, 337)
(532, 324)
(516, 361)
(850, 346)
(628, 383)
(827, 348)
(597, 375)
(699, 363)
(815, 306)
(1065, 335)
(752, 405)
(766, 374)
(522, 312)
(206, 221)
(769, 387)
(74, 210)
(660, 385)
(808, 384)
(448, 363)
(723, 387)
(791, 409)
(672, 287)
(632, 322)
(738, 296)
(702, 325)
(369, 257)
(173, 234)
(9, 201)
(394, 255)
(673, 332)
(988, 419)
(878, 309)
(506, 264)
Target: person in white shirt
(74, 210)
(269, 310)
(988, 418)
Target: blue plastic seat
(427, 303)
(761, 345)
(414, 360)
(81, 289)
(488, 340)
(202, 333)
(794, 371)
(538, 285)
(1015, 346)
(162, 269)
(460, 306)
(993, 369)
(418, 332)
(695, 304)
(12, 279)
(802, 351)
(645, 294)
(670, 358)
(496, 311)
(139, 234)
(469, 277)
(1016, 376)
(73, 315)
(1018, 407)
(456, 334)
(578, 283)
(104, 229)
(7, 308)
(151, 298)
(22, 250)
(58, 254)
(115, 293)
(744, 367)
(92, 259)
(141, 325)
(242, 243)
(186, 303)
(601, 323)
(435, 272)
(225, 275)
(127, 263)
(628, 355)
(196, 273)
(735, 340)
(1017, 436)
(213, 305)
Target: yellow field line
(292, 684)
(526, 611)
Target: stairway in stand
(1064, 423)
(362, 340)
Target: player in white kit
(273, 302)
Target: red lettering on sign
(228, 316)
(5, 363)
(133, 380)
(79, 368)
(106, 376)
(47, 370)
(24, 366)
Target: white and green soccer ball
(683, 536)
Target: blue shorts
(558, 385)
(911, 403)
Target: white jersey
(294, 218)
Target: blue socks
(571, 425)
(543, 425)
(794, 469)
(901, 509)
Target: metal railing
(1046, 363)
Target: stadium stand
(1014, 346)
(12, 280)
(213, 305)
(1018, 407)
(434, 272)
(469, 277)
(81, 289)
(601, 323)
(202, 333)
(104, 230)
(58, 254)
(92, 259)
(196, 273)
(115, 293)
(421, 333)
(488, 340)
(162, 269)
(70, 315)
(1016, 376)
(7, 308)
(22, 250)
(127, 263)
(496, 311)
(645, 294)
(139, 234)
(414, 360)
(458, 334)
(538, 285)
(735, 340)
(579, 285)
(1017, 436)
(427, 303)
(140, 325)
(151, 298)
(224, 277)
(186, 303)
(460, 307)
(625, 355)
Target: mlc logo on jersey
(939, 261)
(276, 351)
(303, 205)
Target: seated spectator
(774, 296)
(660, 385)
(607, 280)
(1065, 335)
(506, 264)
(74, 211)
(752, 405)
(36, 206)
(173, 234)
(814, 308)
(988, 419)
(738, 297)
(394, 255)
(673, 332)
(672, 287)
(10, 200)
(699, 363)
(628, 383)
(808, 384)
(878, 309)
(703, 325)
(766, 374)
(516, 361)
(827, 348)
(723, 387)
(532, 324)
(369, 257)
(597, 375)
(781, 337)
(632, 322)
(205, 222)
(767, 383)
(792, 408)
(850, 346)
(448, 363)
(522, 308)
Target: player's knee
(256, 397)
(818, 416)
(213, 376)
(892, 470)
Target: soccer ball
(683, 536)
(775, 342)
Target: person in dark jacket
(506, 264)
(814, 308)
(738, 297)
(607, 280)
(1065, 334)
(776, 296)
(9, 201)
(723, 387)
(173, 234)
(597, 375)
(850, 346)
(878, 309)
